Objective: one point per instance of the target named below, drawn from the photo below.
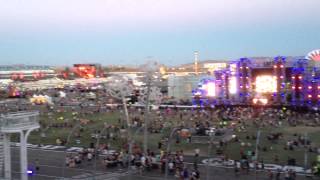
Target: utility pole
(146, 121)
(257, 151)
(305, 151)
(151, 68)
(196, 56)
(168, 152)
(209, 154)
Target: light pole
(146, 120)
(45, 129)
(257, 151)
(168, 150)
(149, 96)
(209, 154)
(67, 142)
(305, 151)
(151, 68)
(97, 145)
(119, 88)
(130, 150)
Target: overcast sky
(62, 32)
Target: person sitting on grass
(58, 141)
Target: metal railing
(19, 120)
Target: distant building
(180, 87)
(87, 70)
(26, 72)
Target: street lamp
(119, 88)
(130, 150)
(256, 153)
(211, 134)
(66, 145)
(130, 147)
(168, 150)
(149, 96)
(305, 151)
(97, 145)
(150, 68)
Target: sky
(130, 32)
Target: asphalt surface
(52, 167)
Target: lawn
(232, 149)
(270, 149)
(97, 121)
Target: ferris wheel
(314, 55)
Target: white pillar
(7, 156)
(23, 156)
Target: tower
(279, 72)
(244, 79)
(196, 54)
(299, 82)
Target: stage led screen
(211, 89)
(265, 84)
(85, 71)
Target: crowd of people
(196, 120)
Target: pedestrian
(185, 174)
(278, 174)
(171, 167)
(292, 175)
(195, 161)
(159, 145)
(236, 168)
(247, 166)
(89, 156)
(270, 175)
(195, 175)
(37, 164)
(287, 175)
(77, 159)
(67, 161)
(262, 164)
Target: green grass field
(232, 150)
(276, 147)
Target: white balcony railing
(19, 120)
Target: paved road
(52, 162)
(215, 174)
(52, 165)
